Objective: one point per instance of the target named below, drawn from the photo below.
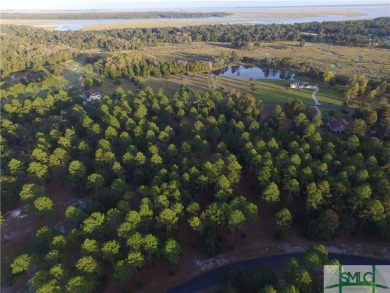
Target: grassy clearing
(329, 95)
(108, 87)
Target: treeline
(122, 65)
(112, 15)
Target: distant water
(369, 12)
(254, 72)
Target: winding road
(213, 277)
(316, 103)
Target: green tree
(59, 242)
(79, 284)
(302, 279)
(31, 191)
(110, 250)
(135, 260)
(94, 225)
(150, 246)
(74, 214)
(95, 180)
(314, 196)
(39, 170)
(325, 227)
(57, 271)
(77, 173)
(358, 126)
(172, 251)
(283, 219)
(271, 193)
(373, 210)
(328, 76)
(52, 286)
(16, 167)
(111, 133)
(21, 264)
(195, 223)
(43, 204)
(122, 272)
(135, 241)
(289, 288)
(132, 221)
(268, 289)
(88, 265)
(168, 218)
(90, 247)
(236, 221)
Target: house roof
(338, 123)
(92, 93)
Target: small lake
(254, 72)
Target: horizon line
(196, 8)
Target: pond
(254, 72)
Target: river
(212, 278)
(247, 15)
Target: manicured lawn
(336, 112)
(329, 95)
(280, 91)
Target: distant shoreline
(192, 9)
(279, 15)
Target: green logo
(341, 278)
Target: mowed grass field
(274, 91)
(279, 91)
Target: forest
(184, 157)
(148, 165)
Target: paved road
(213, 277)
(316, 103)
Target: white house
(299, 85)
(338, 125)
(92, 95)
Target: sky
(170, 4)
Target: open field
(108, 87)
